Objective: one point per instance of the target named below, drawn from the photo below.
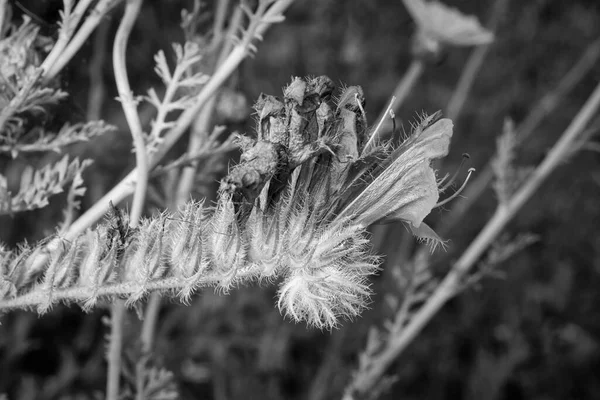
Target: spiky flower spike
(295, 208)
(307, 188)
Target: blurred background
(530, 330)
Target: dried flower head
(305, 220)
(439, 25)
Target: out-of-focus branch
(545, 106)
(69, 23)
(97, 90)
(366, 380)
(203, 124)
(473, 65)
(86, 29)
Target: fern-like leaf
(40, 140)
(38, 185)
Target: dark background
(530, 331)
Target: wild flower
(294, 210)
(308, 223)
(439, 25)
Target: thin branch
(86, 29)
(132, 10)
(97, 89)
(406, 84)
(69, 24)
(147, 341)
(448, 287)
(203, 123)
(3, 6)
(219, 22)
(544, 107)
(473, 65)
(114, 349)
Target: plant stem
(406, 84)
(543, 107)
(448, 287)
(129, 105)
(408, 81)
(472, 67)
(97, 89)
(114, 349)
(147, 341)
(204, 122)
(86, 29)
(3, 5)
(69, 25)
(132, 10)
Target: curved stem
(129, 105)
(132, 10)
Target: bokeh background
(530, 330)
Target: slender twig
(3, 5)
(448, 287)
(219, 22)
(147, 341)
(387, 113)
(86, 29)
(132, 10)
(129, 105)
(203, 124)
(97, 89)
(114, 349)
(544, 107)
(473, 65)
(69, 25)
(408, 81)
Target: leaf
(38, 185)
